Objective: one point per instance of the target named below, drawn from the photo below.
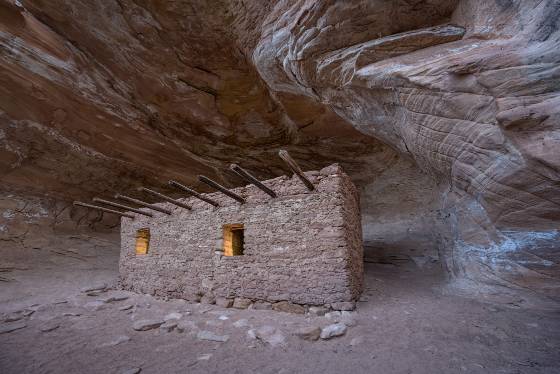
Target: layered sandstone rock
(444, 112)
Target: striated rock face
(444, 112)
(467, 89)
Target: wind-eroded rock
(444, 112)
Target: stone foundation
(302, 247)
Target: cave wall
(468, 90)
(444, 112)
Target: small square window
(142, 241)
(233, 239)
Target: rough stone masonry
(304, 247)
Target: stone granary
(303, 246)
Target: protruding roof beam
(193, 193)
(122, 214)
(251, 179)
(166, 198)
(221, 188)
(284, 155)
(117, 205)
(142, 203)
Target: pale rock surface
(334, 330)
(116, 341)
(268, 334)
(172, 316)
(208, 335)
(444, 113)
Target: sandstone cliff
(444, 112)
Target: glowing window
(233, 239)
(142, 241)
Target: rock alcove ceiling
(445, 114)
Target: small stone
(112, 298)
(9, 327)
(132, 371)
(168, 326)
(173, 316)
(269, 335)
(95, 287)
(95, 293)
(241, 323)
(346, 305)
(146, 324)
(118, 340)
(223, 302)
(49, 326)
(261, 305)
(223, 318)
(311, 333)
(204, 357)
(331, 331)
(318, 310)
(183, 326)
(27, 312)
(252, 334)
(241, 303)
(208, 299)
(208, 335)
(287, 307)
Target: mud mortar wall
(303, 247)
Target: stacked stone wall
(304, 247)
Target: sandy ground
(406, 322)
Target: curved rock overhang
(444, 113)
